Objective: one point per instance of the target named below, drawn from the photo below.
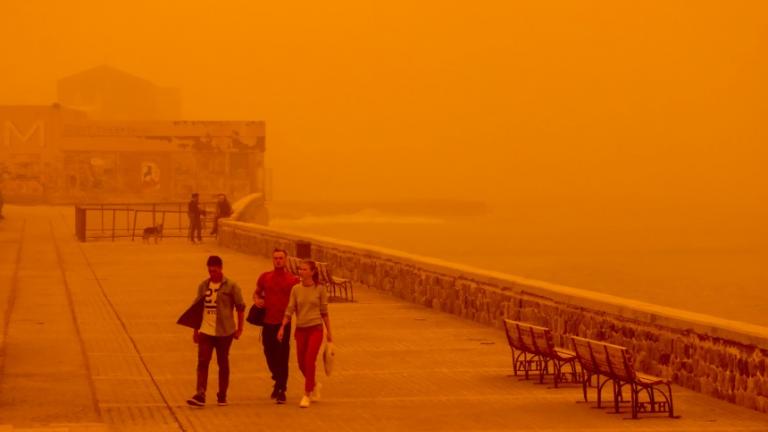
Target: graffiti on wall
(13, 136)
(150, 176)
(22, 170)
(87, 173)
(82, 160)
(22, 175)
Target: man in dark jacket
(195, 214)
(223, 210)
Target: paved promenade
(89, 343)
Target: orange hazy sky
(653, 100)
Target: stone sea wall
(717, 357)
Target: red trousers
(308, 341)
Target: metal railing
(123, 220)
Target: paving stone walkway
(89, 343)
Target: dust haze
(603, 129)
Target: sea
(705, 258)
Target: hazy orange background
(653, 100)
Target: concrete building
(106, 93)
(115, 137)
(57, 154)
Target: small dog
(154, 231)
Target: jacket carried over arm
(229, 299)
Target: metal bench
(537, 342)
(614, 363)
(338, 288)
(292, 264)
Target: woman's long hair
(313, 267)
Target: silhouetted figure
(195, 214)
(223, 210)
(220, 297)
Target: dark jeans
(215, 230)
(205, 346)
(195, 226)
(277, 353)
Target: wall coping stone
(735, 331)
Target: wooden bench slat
(650, 379)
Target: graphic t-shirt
(209, 312)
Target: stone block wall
(720, 358)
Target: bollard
(80, 223)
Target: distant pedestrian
(220, 296)
(273, 289)
(195, 214)
(223, 210)
(309, 301)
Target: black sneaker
(280, 397)
(221, 400)
(275, 391)
(196, 400)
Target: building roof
(105, 72)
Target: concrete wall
(56, 154)
(720, 358)
(29, 155)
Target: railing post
(80, 223)
(133, 231)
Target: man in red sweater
(273, 290)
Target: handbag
(329, 355)
(256, 315)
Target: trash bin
(303, 249)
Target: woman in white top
(309, 301)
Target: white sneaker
(304, 402)
(315, 395)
